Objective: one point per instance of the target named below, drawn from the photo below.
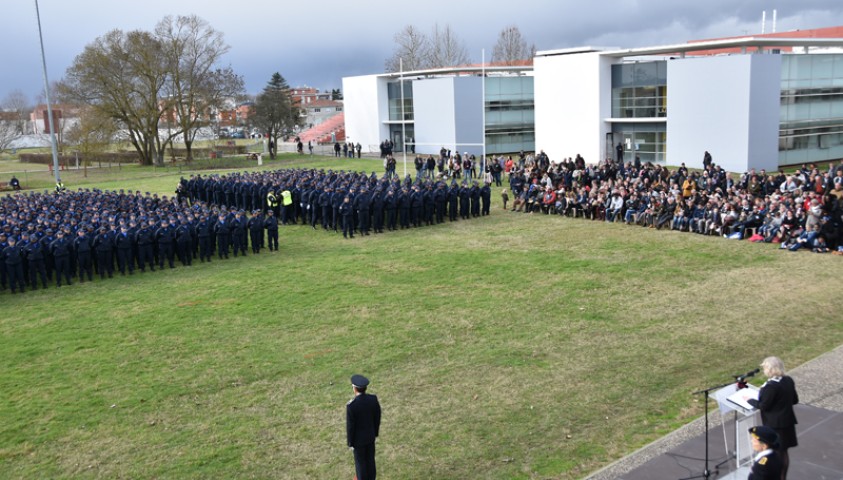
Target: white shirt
(761, 454)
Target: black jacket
(775, 401)
(362, 420)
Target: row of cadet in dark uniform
(67, 235)
(317, 199)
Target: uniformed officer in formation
(271, 226)
(766, 464)
(255, 226)
(12, 260)
(123, 242)
(35, 257)
(208, 216)
(82, 247)
(362, 425)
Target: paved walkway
(819, 382)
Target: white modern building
(752, 102)
(450, 108)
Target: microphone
(751, 373)
(748, 374)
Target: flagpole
(403, 119)
(47, 95)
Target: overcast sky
(318, 43)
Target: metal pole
(47, 95)
(403, 123)
(483, 100)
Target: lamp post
(49, 104)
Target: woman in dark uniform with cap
(775, 401)
(766, 464)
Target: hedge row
(70, 160)
(128, 157)
(205, 152)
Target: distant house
(302, 96)
(64, 117)
(236, 115)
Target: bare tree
(413, 47)
(122, 76)
(92, 134)
(446, 48)
(512, 47)
(13, 117)
(8, 130)
(143, 80)
(195, 87)
(17, 103)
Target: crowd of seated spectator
(798, 210)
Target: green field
(513, 346)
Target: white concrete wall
(572, 99)
(728, 105)
(433, 114)
(468, 112)
(366, 109)
(764, 111)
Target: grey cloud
(330, 39)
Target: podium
(732, 399)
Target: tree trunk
(188, 146)
(143, 155)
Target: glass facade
(396, 135)
(639, 91)
(394, 97)
(510, 115)
(811, 109)
(647, 140)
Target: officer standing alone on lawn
(362, 422)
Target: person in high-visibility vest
(287, 204)
(272, 201)
(59, 186)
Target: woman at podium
(775, 402)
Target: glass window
(800, 67)
(820, 110)
(822, 67)
(493, 86)
(639, 90)
(510, 114)
(510, 87)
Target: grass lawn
(513, 346)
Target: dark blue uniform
(165, 236)
(104, 247)
(203, 232)
(144, 239)
(37, 266)
(82, 247)
(62, 249)
(363, 421)
(223, 232)
(123, 243)
(271, 226)
(12, 258)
